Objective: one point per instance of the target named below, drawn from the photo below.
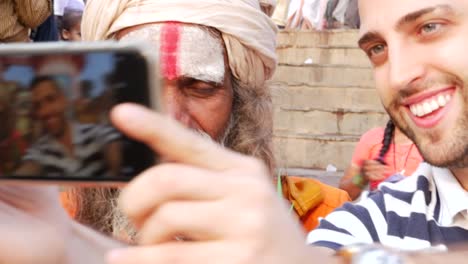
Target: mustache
(418, 86)
(224, 137)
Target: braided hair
(387, 140)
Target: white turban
(249, 35)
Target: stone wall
(324, 99)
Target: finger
(170, 139)
(190, 220)
(173, 253)
(377, 176)
(169, 182)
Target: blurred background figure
(268, 6)
(335, 13)
(280, 15)
(12, 144)
(306, 14)
(61, 6)
(67, 148)
(381, 153)
(316, 14)
(70, 27)
(19, 17)
(352, 19)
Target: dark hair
(44, 78)
(387, 140)
(71, 17)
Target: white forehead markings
(199, 54)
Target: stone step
(307, 39)
(324, 75)
(331, 56)
(333, 99)
(314, 152)
(295, 123)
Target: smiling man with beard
(67, 148)
(421, 76)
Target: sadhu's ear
(268, 6)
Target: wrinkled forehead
(185, 50)
(383, 16)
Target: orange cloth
(404, 157)
(312, 199)
(67, 204)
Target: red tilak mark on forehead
(170, 37)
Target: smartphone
(55, 101)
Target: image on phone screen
(55, 116)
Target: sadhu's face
(197, 87)
(418, 50)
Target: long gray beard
(122, 227)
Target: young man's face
(197, 87)
(49, 105)
(419, 52)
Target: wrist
(359, 181)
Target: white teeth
(413, 109)
(448, 97)
(430, 106)
(441, 101)
(427, 108)
(420, 110)
(434, 105)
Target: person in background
(381, 154)
(280, 14)
(19, 17)
(70, 27)
(12, 143)
(335, 13)
(352, 20)
(67, 148)
(61, 5)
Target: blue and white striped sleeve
(351, 224)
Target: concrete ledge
(315, 38)
(330, 178)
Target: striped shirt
(426, 210)
(89, 142)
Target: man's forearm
(89, 246)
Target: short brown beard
(453, 153)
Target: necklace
(402, 172)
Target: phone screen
(54, 110)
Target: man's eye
(199, 91)
(376, 50)
(430, 28)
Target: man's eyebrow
(407, 19)
(369, 37)
(413, 16)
